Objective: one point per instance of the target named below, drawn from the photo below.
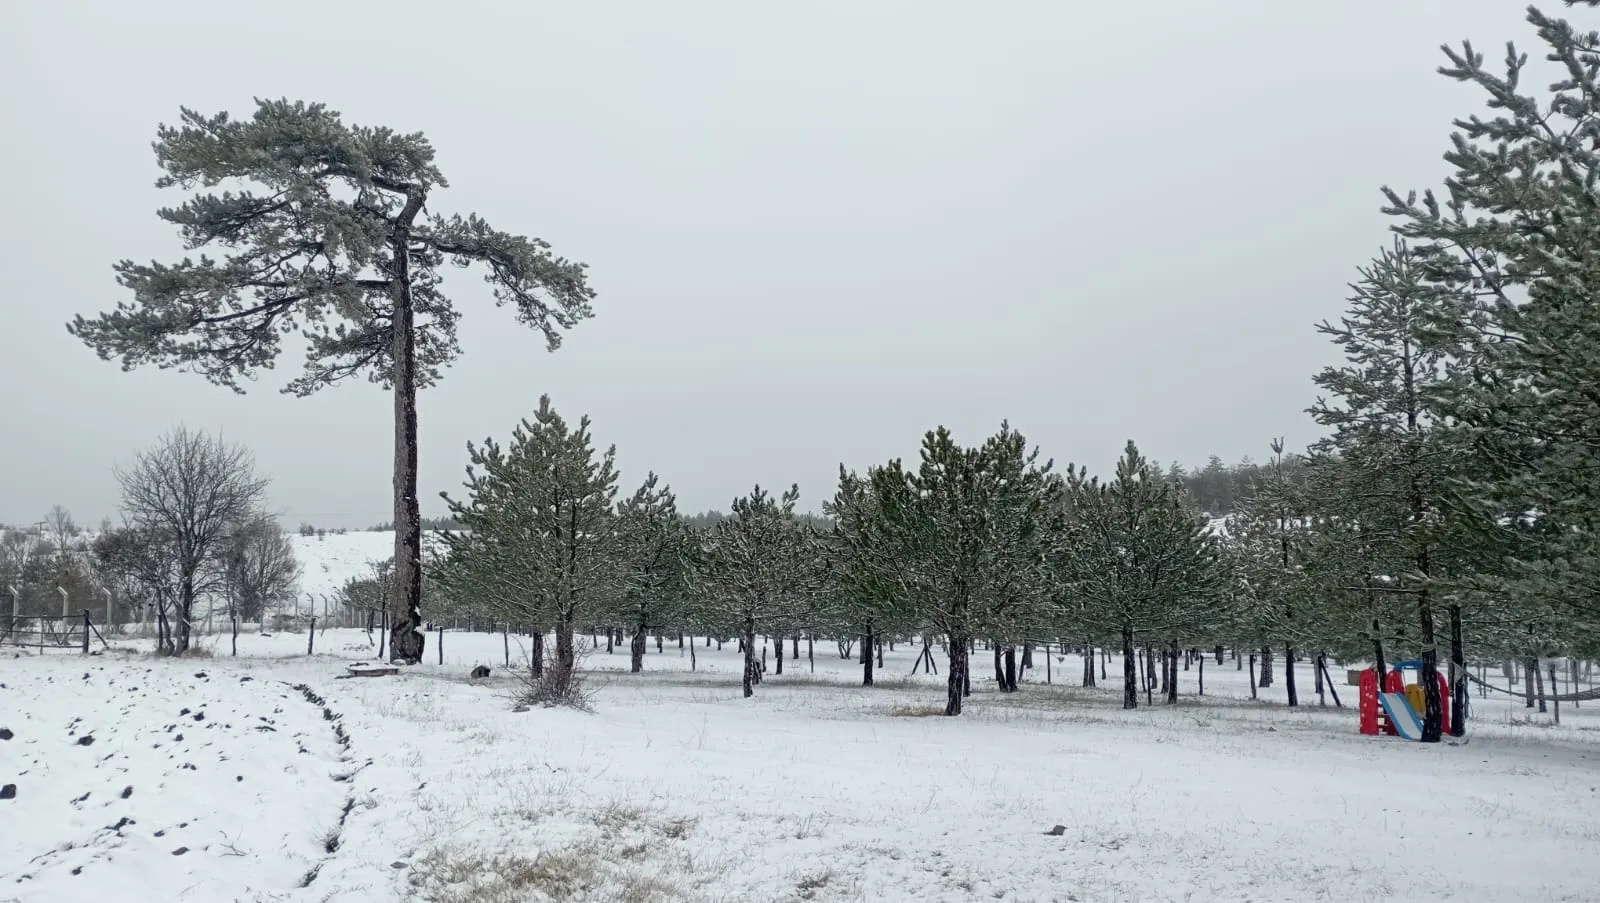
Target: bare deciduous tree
(60, 528)
(138, 565)
(193, 489)
(260, 566)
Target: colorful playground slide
(1401, 715)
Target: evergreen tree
(541, 534)
(652, 548)
(1346, 565)
(755, 572)
(958, 544)
(853, 549)
(1383, 429)
(1136, 559)
(1023, 503)
(325, 236)
(1266, 535)
(1518, 234)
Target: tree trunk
(1130, 673)
(1288, 675)
(1011, 670)
(1252, 675)
(796, 650)
(1377, 656)
(1219, 655)
(185, 615)
(1538, 681)
(999, 666)
(1167, 666)
(636, 664)
(1555, 690)
(1027, 656)
(1530, 670)
(956, 687)
(1316, 678)
(1172, 674)
(866, 660)
(1265, 679)
(536, 653)
(566, 654)
(1433, 705)
(749, 643)
(1458, 675)
(405, 603)
(1088, 665)
(777, 648)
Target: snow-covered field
(327, 561)
(264, 777)
(267, 778)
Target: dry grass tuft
(916, 711)
(462, 877)
(808, 885)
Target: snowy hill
(327, 561)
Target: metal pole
(64, 612)
(108, 607)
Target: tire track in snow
(335, 837)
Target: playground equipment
(1398, 708)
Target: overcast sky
(817, 230)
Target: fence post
(86, 631)
(440, 644)
(311, 634)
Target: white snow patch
(675, 788)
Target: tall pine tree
(1518, 230)
(1383, 429)
(323, 233)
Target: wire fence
(52, 632)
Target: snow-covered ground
(327, 561)
(427, 786)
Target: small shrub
(556, 685)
